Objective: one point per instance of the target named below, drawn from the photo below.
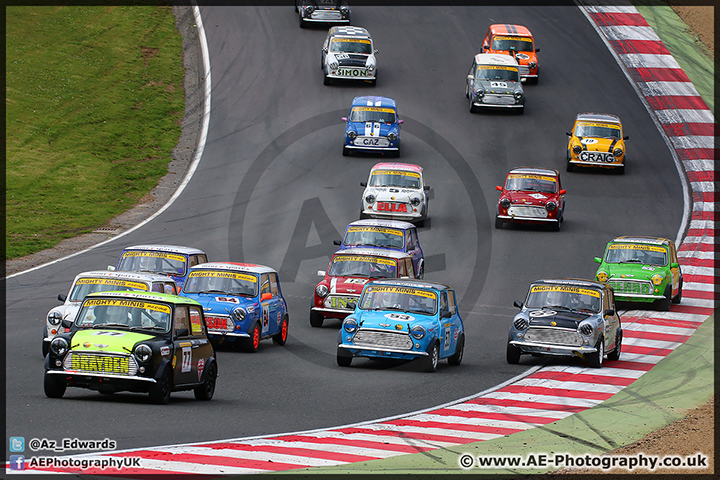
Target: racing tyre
(281, 337)
(316, 319)
(596, 359)
(207, 389)
(512, 354)
(327, 80)
(499, 222)
(373, 82)
(160, 391)
(346, 152)
(664, 303)
(520, 111)
(676, 299)
(620, 170)
(555, 227)
(457, 357)
(615, 354)
(251, 344)
(431, 361)
(302, 21)
(473, 108)
(570, 167)
(45, 345)
(55, 386)
(344, 358)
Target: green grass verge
(94, 103)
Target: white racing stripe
(685, 116)
(685, 142)
(647, 60)
(531, 398)
(643, 342)
(630, 32)
(535, 412)
(604, 371)
(649, 327)
(654, 89)
(476, 422)
(569, 385)
(258, 455)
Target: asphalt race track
(273, 188)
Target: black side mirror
(569, 134)
(426, 188)
(626, 137)
(517, 304)
(62, 297)
(609, 312)
(445, 314)
(183, 332)
(67, 323)
(337, 242)
(537, 50)
(363, 184)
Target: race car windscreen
(362, 266)
(375, 115)
(485, 72)
(221, 282)
(640, 254)
(156, 262)
(563, 297)
(380, 178)
(531, 183)
(374, 237)
(84, 286)
(122, 314)
(404, 299)
(516, 44)
(340, 45)
(597, 131)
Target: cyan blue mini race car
(242, 302)
(373, 126)
(403, 319)
(391, 234)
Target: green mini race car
(642, 269)
(133, 341)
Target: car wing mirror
(597, 260)
(498, 187)
(400, 122)
(609, 312)
(563, 192)
(626, 137)
(446, 314)
(517, 304)
(344, 119)
(376, 51)
(470, 77)
(569, 134)
(363, 184)
(183, 332)
(111, 268)
(337, 242)
(321, 273)
(324, 49)
(66, 323)
(62, 297)
(265, 296)
(537, 50)
(675, 265)
(426, 188)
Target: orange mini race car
(517, 41)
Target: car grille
(328, 15)
(499, 99)
(353, 61)
(527, 211)
(524, 70)
(339, 301)
(372, 338)
(101, 363)
(554, 336)
(219, 323)
(631, 287)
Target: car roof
(495, 59)
(349, 31)
(126, 275)
(233, 266)
(167, 248)
(411, 167)
(510, 29)
(382, 223)
(598, 117)
(159, 297)
(535, 171)
(410, 283)
(577, 282)
(373, 101)
(642, 239)
(377, 252)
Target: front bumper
(498, 101)
(556, 350)
(104, 381)
(332, 312)
(366, 351)
(516, 218)
(581, 163)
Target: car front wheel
(344, 358)
(55, 386)
(281, 337)
(512, 354)
(160, 391)
(316, 319)
(251, 344)
(431, 361)
(596, 359)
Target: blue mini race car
(372, 126)
(242, 302)
(403, 319)
(391, 234)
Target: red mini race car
(531, 195)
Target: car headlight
(521, 323)
(417, 331)
(370, 198)
(54, 318)
(415, 201)
(602, 276)
(532, 65)
(577, 149)
(657, 279)
(321, 290)
(344, 10)
(350, 325)
(309, 9)
(392, 137)
(479, 93)
(143, 353)
(518, 95)
(505, 203)
(352, 134)
(585, 329)
(370, 67)
(618, 152)
(333, 65)
(239, 314)
(59, 346)
(551, 206)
